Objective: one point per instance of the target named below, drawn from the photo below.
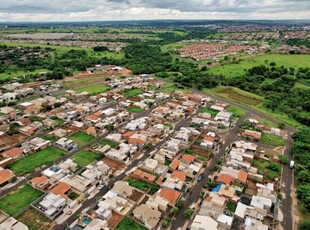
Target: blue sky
(96, 10)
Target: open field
(35, 220)
(63, 49)
(128, 223)
(38, 159)
(86, 157)
(17, 200)
(168, 88)
(173, 46)
(287, 60)
(113, 144)
(271, 139)
(238, 95)
(134, 109)
(94, 89)
(18, 73)
(81, 138)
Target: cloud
(69, 10)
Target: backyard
(30, 163)
(237, 112)
(18, 199)
(86, 157)
(211, 111)
(81, 138)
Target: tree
(305, 225)
(179, 203)
(100, 49)
(283, 159)
(175, 210)
(274, 167)
(188, 213)
(303, 176)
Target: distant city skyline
(97, 10)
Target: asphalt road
(193, 197)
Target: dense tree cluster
(301, 152)
(276, 84)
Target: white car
(101, 186)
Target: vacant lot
(287, 60)
(238, 112)
(18, 199)
(132, 92)
(38, 159)
(264, 168)
(35, 220)
(113, 144)
(239, 95)
(94, 89)
(134, 109)
(271, 139)
(211, 111)
(144, 186)
(128, 223)
(81, 138)
(86, 157)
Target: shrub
(188, 213)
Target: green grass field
(211, 111)
(271, 139)
(288, 60)
(127, 223)
(94, 89)
(18, 199)
(81, 138)
(144, 186)
(19, 74)
(238, 112)
(168, 88)
(113, 144)
(86, 157)
(38, 159)
(134, 109)
(132, 92)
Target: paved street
(194, 195)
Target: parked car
(101, 186)
(200, 177)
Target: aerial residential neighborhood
(136, 154)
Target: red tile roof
(179, 174)
(224, 178)
(38, 180)
(6, 175)
(243, 176)
(175, 164)
(60, 189)
(14, 152)
(188, 158)
(170, 195)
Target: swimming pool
(86, 221)
(217, 188)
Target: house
(261, 202)
(38, 181)
(225, 222)
(150, 217)
(187, 158)
(15, 153)
(141, 175)
(253, 224)
(52, 205)
(11, 223)
(91, 131)
(97, 224)
(61, 189)
(5, 176)
(170, 195)
(253, 135)
(223, 116)
(122, 188)
(204, 223)
(150, 164)
(65, 144)
(158, 202)
(225, 179)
